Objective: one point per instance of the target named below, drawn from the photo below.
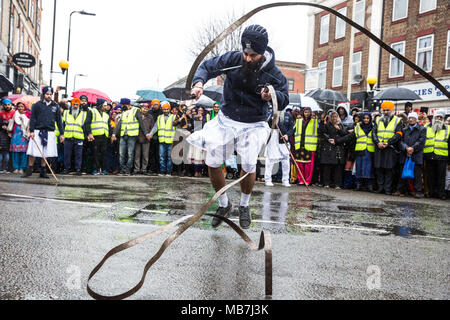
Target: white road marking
(57, 200)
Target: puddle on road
(278, 212)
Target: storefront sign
(24, 60)
(427, 91)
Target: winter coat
(329, 153)
(149, 122)
(347, 122)
(241, 99)
(5, 140)
(386, 158)
(414, 138)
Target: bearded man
(436, 156)
(241, 125)
(386, 134)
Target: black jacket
(241, 100)
(43, 117)
(329, 153)
(414, 138)
(5, 140)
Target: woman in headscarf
(19, 140)
(332, 150)
(364, 150)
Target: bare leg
(248, 183)
(216, 177)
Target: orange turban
(76, 101)
(165, 105)
(156, 101)
(387, 105)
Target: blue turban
(47, 89)
(255, 38)
(125, 101)
(6, 101)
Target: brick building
(20, 31)
(417, 28)
(420, 29)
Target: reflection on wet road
(279, 210)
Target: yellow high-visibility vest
(130, 125)
(311, 137)
(74, 127)
(437, 142)
(99, 125)
(166, 130)
(386, 133)
(363, 142)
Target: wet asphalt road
(327, 244)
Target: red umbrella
(14, 97)
(91, 94)
(28, 101)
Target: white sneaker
(269, 184)
(286, 184)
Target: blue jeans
(165, 162)
(4, 160)
(127, 145)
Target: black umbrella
(295, 99)
(327, 94)
(397, 94)
(214, 92)
(177, 93)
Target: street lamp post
(75, 79)
(68, 41)
(371, 81)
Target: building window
(359, 15)
(1, 14)
(356, 65)
(400, 10)
(396, 66)
(322, 66)
(424, 57)
(32, 12)
(338, 64)
(324, 28)
(341, 24)
(11, 32)
(447, 61)
(291, 84)
(427, 5)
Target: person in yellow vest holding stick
(386, 133)
(128, 127)
(77, 126)
(165, 126)
(306, 139)
(436, 156)
(364, 150)
(100, 130)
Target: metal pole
(68, 51)
(53, 44)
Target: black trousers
(333, 174)
(402, 183)
(99, 152)
(384, 179)
(436, 171)
(154, 156)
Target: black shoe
(65, 172)
(378, 191)
(245, 218)
(27, 173)
(78, 173)
(224, 212)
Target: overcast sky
(134, 44)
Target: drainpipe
(381, 37)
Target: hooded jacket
(347, 122)
(241, 100)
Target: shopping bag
(408, 169)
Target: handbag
(10, 125)
(408, 169)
